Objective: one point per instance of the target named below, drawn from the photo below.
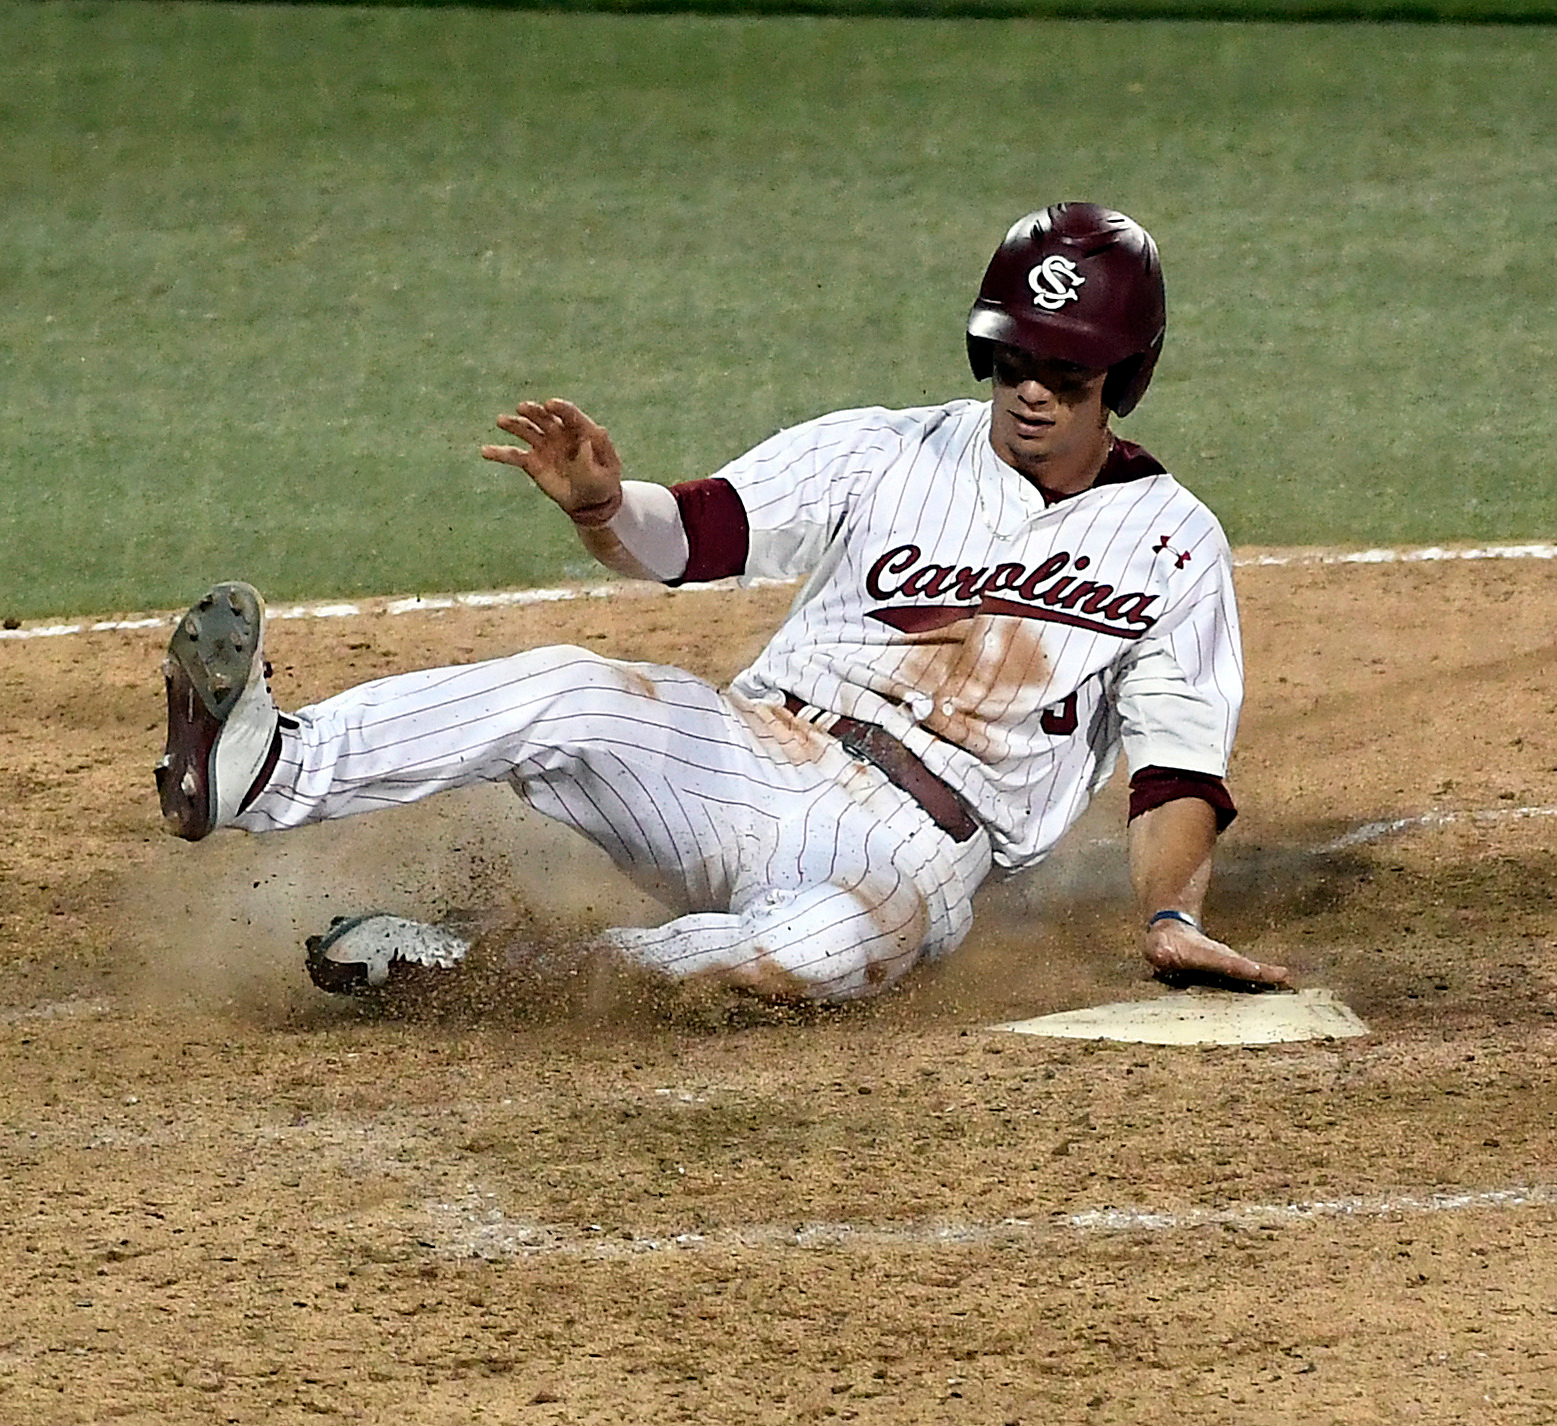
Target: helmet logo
(1055, 282)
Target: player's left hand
(1181, 955)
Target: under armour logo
(1180, 557)
(1055, 282)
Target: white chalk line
(475, 1227)
(398, 604)
(499, 599)
(1430, 555)
(1368, 832)
(53, 1010)
(1377, 831)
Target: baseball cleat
(362, 953)
(222, 722)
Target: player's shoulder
(858, 438)
(905, 423)
(1152, 497)
(1131, 465)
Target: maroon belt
(942, 804)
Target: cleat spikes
(359, 954)
(222, 723)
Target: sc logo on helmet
(1055, 282)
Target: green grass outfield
(1503, 12)
(269, 272)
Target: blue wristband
(1171, 915)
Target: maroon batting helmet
(1078, 283)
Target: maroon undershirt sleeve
(718, 535)
(1152, 786)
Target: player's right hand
(1179, 954)
(570, 457)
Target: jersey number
(1060, 720)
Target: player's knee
(844, 944)
(559, 661)
(566, 672)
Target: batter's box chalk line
(412, 603)
(54, 1010)
(1377, 831)
(477, 1227)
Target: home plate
(1204, 1017)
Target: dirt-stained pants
(796, 868)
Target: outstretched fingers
(568, 455)
(555, 428)
(530, 423)
(579, 426)
(538, 429)
(1177, 950)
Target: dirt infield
(570, 1198)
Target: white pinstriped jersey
(1015, 647)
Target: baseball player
(999, 599)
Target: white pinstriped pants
(795, 868)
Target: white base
(1205, 1017)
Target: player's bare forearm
(1171, 849)
(603, 544)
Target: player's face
(1047, 419)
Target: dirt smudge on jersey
(640, 683)
(761, 975)
(907, 934)
(799, 740)
(983, 674)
